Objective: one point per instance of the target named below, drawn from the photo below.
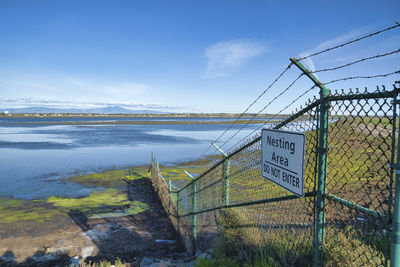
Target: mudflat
(125, 222)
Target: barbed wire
(273, 117)
(363, 77)
(357, 61)
(352, 41)
(265, 107)
(244, 112)
(322, 70)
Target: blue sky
(183, 56)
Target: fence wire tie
(322, 149)
(317, 243)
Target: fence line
(356, 208)
(350, 212)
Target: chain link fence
(233, 206)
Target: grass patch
(376, 120)
(117, 263)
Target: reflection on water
(36, 158)
(25, 134)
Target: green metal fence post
(395, 237)
(169, 186)
(194, 210)
(178, 218)
(227, 170)
(322, 165)
(194, 215)
(227, 167)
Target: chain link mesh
(259, 214)
(359, 175)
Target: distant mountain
(105, 110)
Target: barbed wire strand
(311, 55)
(352, 41)
(244, 112)
(357, 61)
(265, 107)
(291, 103)
(363, 77)
(273, 117)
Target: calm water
(35, 158)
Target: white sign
(283, 159)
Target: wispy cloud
(331, 43)
(227, 56)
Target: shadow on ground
(147, 233)
(40, 258)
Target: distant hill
(105, 110)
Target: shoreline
(89, 226)
(136, 122)
(170, 115)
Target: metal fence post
(227, 167)
(322, 165)
(194, 215)
(395, 236)
(194, 210)
(227, 170)
(169, 186)
(322, 172)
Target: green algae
(97, 199)
(110, 178)
(15, 210)
(99, 204)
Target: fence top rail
(373, 95)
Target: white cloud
(227, 56)
(330, 43)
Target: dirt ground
(129, 238)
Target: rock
(57, 251)
(76, 260)
(153, 262)
(164, 264)
(203, 255)
(7, 257)
(190, 264)
(146, 262)
(87, 251)
(198, 253)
